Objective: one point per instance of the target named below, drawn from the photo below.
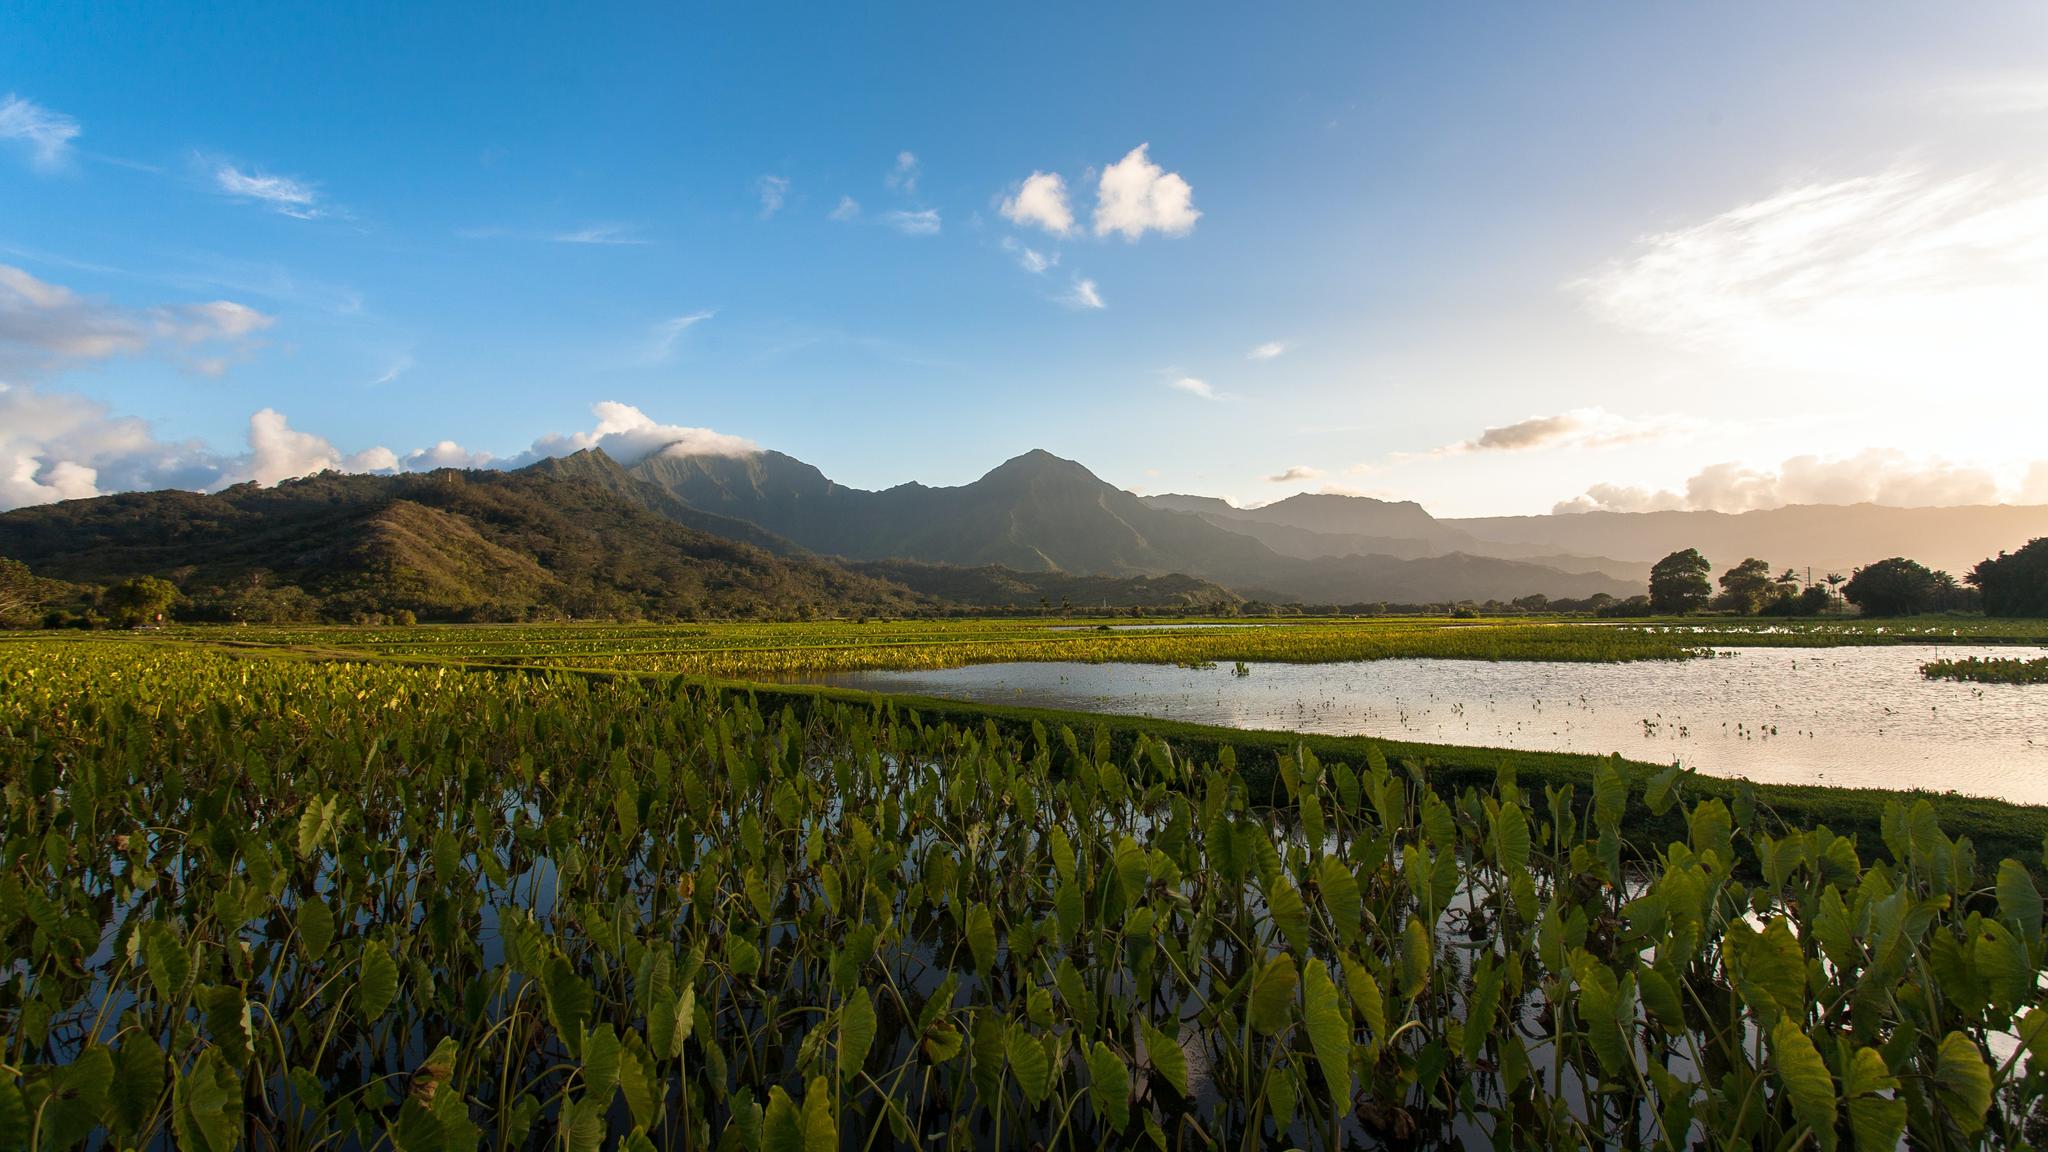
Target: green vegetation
(2015, 584)
(1989, 670)
(294, 903)
(1678, 583)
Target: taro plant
(271, 903)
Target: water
(1164, 626)
(1860, 717)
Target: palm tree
(1834, 581)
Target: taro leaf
(1511, 838)
(226, 1013)
(981, 939)
(2019, 902)
(1662, 790)
(942, 1041)
(139, 1073)
(1289, 913)
(1109, 1081)
(601, 1049)
(316, 927)
(787, 1128)
(1028, 1063)
(206, 1105)
(1878, 1121)
(1312, 830)
(1806, 1080)
(1767, 968)
(14, 1122)
(582, 1125)
(417, 1129)
(1660, 995)
(1164, 1053)
(642, 1090)
(1962, 1082)
(378, 984)
(1600, 1009)
(1339, 890)
(78, 1094)
(1272, 1001)
(1366, 997)
(990, 1041)
(1068, 904)
(170, 965)
(856, 1032)
(569, 1000)
(1328, 1031)
(2002, 965)
(1610, 795)
(686, 1015)
(1416, 958)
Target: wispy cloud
(1998, 94)
(1195, 386)
(671, 330)
(903, 177)
(47, 135)
(918, 222)
(1580, 428)
(1040, 201)
(1136, 196)
(398, 367)
(772, 189)
(1082, 294)
(1901, 276)
(1271, 350)
(1030, 259)
(282, 194)
(609, 234)
(847, 209)
(1885, 476)
(45, 326)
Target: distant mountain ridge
(1040, 513)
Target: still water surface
(1850, 717)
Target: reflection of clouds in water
(1858, 717)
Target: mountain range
(674, 535)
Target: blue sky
(1492, 257)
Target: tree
(2016, 583)
(1894, 587)
(142, 599)
(1746, 587)
(1834, 581)
(1678, 582)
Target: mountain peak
(1038, 462)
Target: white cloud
(1271, 350)
(847, 209)
(1296, 474)
(1030, 259)
(772, 190)
(669, 331)
(1195, 386)
(398, 367)
(444, 454)
(920, 222)
(1041, 201)
(1135, 196)
(903, 177)
(1875, 476)
(1900, 278)
(43, 325)
(602, 234)
(2001, 94)
(628, 435)
(2034, 489)
(1083, 295)
(47, 135)
(282, 194)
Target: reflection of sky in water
(1854, 717)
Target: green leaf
(788, 1128)
(2019, 902)
(1289, 914)
(601, 1049)
(642, 1091)
(856, 1032)
(1511, 838)
(226, 1013)
(1164, 1053)
(316, 928)
(378, 983)
(1329, 1033)
(1272, 1001)
(206, 1105)
(1417, 958)
(1366, 997)
(1109, 1085)
(170, 965)
(1767, 968)
(569, 1000)
(139, 1074)
(78, 1094)
(1962, 1082)
(1662, 790)
(1339, 889)
(1610, 795)
(1028, 1063)
(1806, 1080)
(981, 939)
(582, 1125)
(1877, 1121)
(686, 1015)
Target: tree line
(2008, 584)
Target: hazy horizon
(1498, 261)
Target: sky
(1496, 258)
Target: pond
(1860, 717)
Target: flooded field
(1851, 717)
